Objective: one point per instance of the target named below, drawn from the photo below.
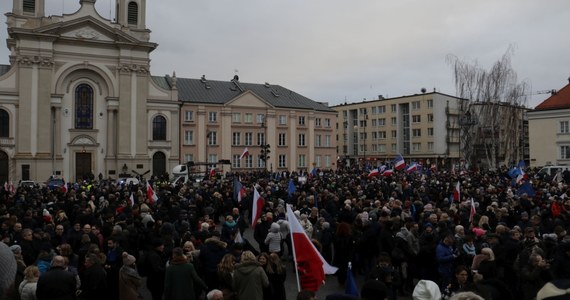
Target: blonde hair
(490, 252)
(483, 220)
(32, 272)
(247, 256)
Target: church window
(159, 128)
(29, 6)
(4, 123)
(133, 13)
(84, 107)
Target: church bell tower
(132, 13)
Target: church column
(111, 133)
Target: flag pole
(294, 254)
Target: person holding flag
(311, 267)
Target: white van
(550, 171)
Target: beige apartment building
(422, 128)
(78, 100)
(549, 130)
(220, 119)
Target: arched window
(84, 107)
(4, 123)
(133, 13)
(159, 164)
(159, 128)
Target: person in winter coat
(180, 278)
(211, 253)
(225, 274)
(27, 288)
(156, 264)
(93, 279)
(249, 278)
(445, 259)
(56, 283)
(129, 279)
(273, 239)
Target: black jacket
(56, 284)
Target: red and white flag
(64, 187)
(309, 262)
(457, 193)
(245, 153)
(12, 189)
(131, 200)
(258, 204)
(150, 194)
(374, 172)
(472, 211)
(212, 172)
(388, 172)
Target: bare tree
(491, 119)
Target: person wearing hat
(181, 277)
(56, 283)
(129, 279)
(156, 265)
(8, 269)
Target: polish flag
(212, 172)
(311, 266)
(373, 173)
(522, 176)
(257, 207)
(131, 200)
(388, 172)
(457, 193)
(64, 187)
(413, 167)
(6, 186)
(472, 211)
(150, 194)
(12, 189)
(245, 153)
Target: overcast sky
(348, 50)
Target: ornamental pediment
(87, 33)
(248, 99)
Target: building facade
(77, 100)
(549, 130)
(423, 128)
(221, 119)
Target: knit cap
(426, 290)
(128, 259)
(7, 267)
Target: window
(248, 138)
(260, 162)
(302, 139)
(159, 128)
(363, 135)
(212, 117)
(374, 110)
(282, 161)
(363, 123)
(416, 105)
(394, 134)
(374, 148)
(236, 162)
(430, 146)
(374, 135)
(382, 135)
(374, 123)
(317, 140)
(430, 131)
(382, 148)
(382, 109)
(260, 138)
(564, 127)
(4, 123)
(260, 118)
(327, 161)
(236, 138)
(302, 120)
(317, 122)
(189, 116)
(363, 111)
(248, 118)
(248, 161)
(282, 139)
(318, 161)
(416, 119)
(363, 148)
(302, 162)
(564, 152)
(212, 138)
(188, 157)
(84, 107)
(394, 148)
(416, 132)
(327, 140)
(394, 121)
(381, 122)
(416, 147)
(430, 118)
(282, 120)
(394, 108)
(30, 6)
(188, 137)
(133, 13)
(236, 118)
(430, 103)
(212, 158)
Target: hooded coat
(180, 279)
(273, 239)
(249, 281)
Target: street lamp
(264, 153)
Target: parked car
(128, 181)
(26, 183)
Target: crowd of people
(468, 231)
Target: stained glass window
(84, 107)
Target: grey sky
(347, 50)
